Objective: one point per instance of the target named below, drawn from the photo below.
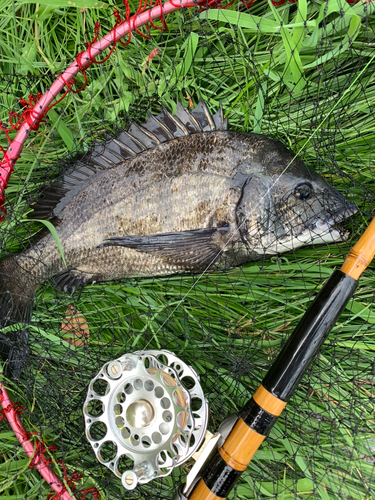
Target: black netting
(301, 73)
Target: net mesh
(302, 73)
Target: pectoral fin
(189, 249)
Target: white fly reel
(147, 408)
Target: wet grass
(228, 326)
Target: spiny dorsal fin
(143, 136)
(203, 117)
(126, 145)
(158, 128)
(172, 123)
(187, 119)
(220, 122)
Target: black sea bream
(177, 194)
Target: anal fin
(71, 280)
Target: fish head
(282, 209)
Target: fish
(179, 194)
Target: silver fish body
(178, 194)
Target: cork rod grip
(259, 415)
(361, 255)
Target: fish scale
(177, 194)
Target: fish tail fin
(16, 299)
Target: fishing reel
(145, 414)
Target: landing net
(301, 73)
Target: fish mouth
(328, 228)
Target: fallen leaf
(147, 60)
(75, 324)
(188, 97)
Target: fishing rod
(241, 435)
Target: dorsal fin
(220, 122)
(124, 146)
(158, 128)
(189, 121)
(143, 136)
(172, 123)
(203, 117)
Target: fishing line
(262, 198)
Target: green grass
(228, 326)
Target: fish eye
(303, 191)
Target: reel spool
(149, 408)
